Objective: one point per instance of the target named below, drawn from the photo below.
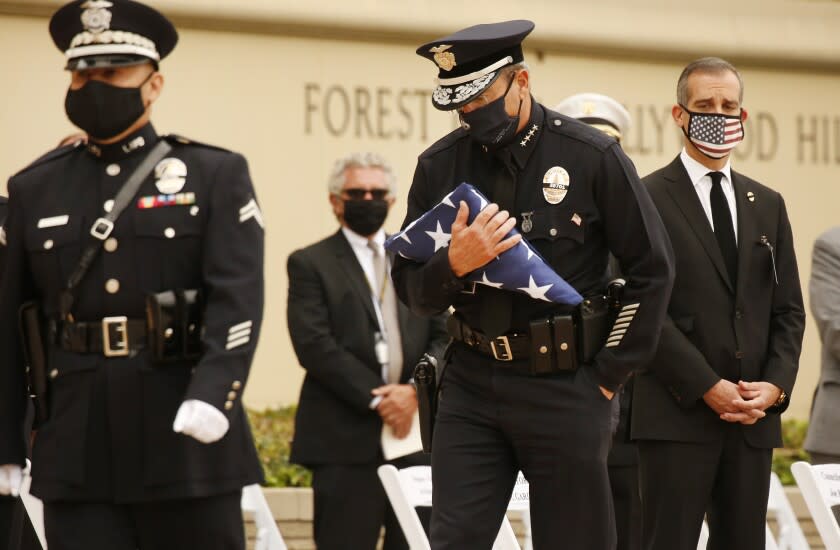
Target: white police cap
(597, 110)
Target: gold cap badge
(444, 59)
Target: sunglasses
(359, 194)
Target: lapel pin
(750, 196)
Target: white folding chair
(268, 535)
(791, 536)
(704, 536)
(820, 486)
(34, 506)
(412, 487)
(520, 501)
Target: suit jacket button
(738, 314)
(739, 354)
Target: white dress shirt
(703, 187)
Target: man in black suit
(340, 309)
(706, 410)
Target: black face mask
(365, 217)
(490, 125)
(103, 110)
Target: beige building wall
(293, 87)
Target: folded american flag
(520, 269)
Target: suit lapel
(747, 234)
(355, 274)
(682, 192)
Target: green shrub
(793, 437)
(273, 431)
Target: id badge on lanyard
(380, 347)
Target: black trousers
(351, 507)
(210, 523)
(494, 421)
(16, 531)
(624, 482)
(727, 480)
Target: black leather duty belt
(558, 343)
(112, 336)
(502, 348)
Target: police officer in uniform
(611, 117)
(16, 531)
(147, 443)
(512, 398)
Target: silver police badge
(555, 185)
(171, 175)
(96, 18)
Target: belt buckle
(102, 227)
(504, 344)
(117, 327)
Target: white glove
(201, 421)
(10, 477)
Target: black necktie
(497, 307)
(724, 232)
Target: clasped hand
(744, 402)
(474, 245)
(399, 401)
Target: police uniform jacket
(196, 225)
(748, 331)
(605, 209)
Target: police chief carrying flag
(525, 388)
(143, 255)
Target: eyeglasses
(358, 194)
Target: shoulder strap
(103, 226)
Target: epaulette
(176, 139)
(51, 155)
(445, 142)
(573, 128)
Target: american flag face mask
(714, 134)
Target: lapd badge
(171, 175)
(555, 185)
(96, 18)
(444, 59)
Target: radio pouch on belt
(33, 333)
(594, 325)
(174, 321)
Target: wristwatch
(781, 400)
